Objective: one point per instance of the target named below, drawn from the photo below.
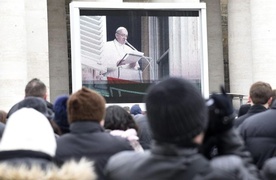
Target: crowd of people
(181, 135)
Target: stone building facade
(35, 42)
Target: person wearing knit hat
(135, 109)
(60, 110)
(169, 100)
(178, 118)
(28, 147)
(87, 138)
(86, 105)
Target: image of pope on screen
(120, 58)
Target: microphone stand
(132, 47)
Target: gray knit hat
(176, 111)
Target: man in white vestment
(113, 53)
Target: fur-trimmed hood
(70, 170)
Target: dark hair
(35, 88)
(127, 108)
(260, 92)
(117, 118)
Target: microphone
(132, 47)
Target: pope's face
(121, 36)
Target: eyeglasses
(122, 35)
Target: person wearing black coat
(254, 109)
(243, 109)
(260, 95)
(87, 138)
(259, 135)
(178, 117)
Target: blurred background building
(35, 42)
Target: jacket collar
(79, 127)
(256, 108)
(172, 150)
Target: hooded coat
(27, 151)
(37, 168)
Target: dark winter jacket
(259, 135)
(162, 162)
(168, 161)
(144, 131)
(254, 109)
(88, 139)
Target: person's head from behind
(135, 109)
(121, 35)
(28, 129)
(36, 88)
(176, 112)
(60, 117)
(36, 103)
(86, 105)
(117, 118)
(260, 93)
(127, 108)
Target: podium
(121, 81)
(126, 67)
(125, 81)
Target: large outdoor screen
(120, 50)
